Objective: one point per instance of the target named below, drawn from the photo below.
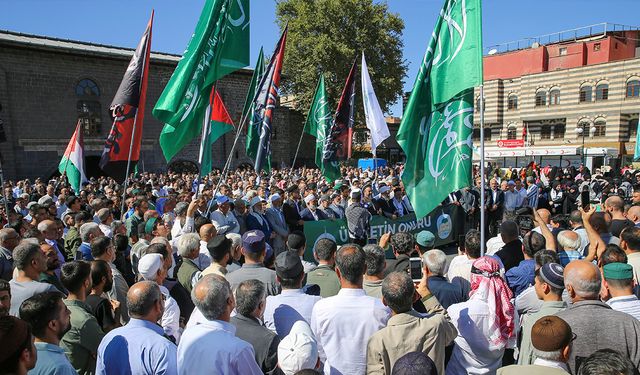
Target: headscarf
(489, 286)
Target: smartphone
(585, 198)
(415, 269)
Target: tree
(325, 36)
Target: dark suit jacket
(386, 206)
(291, 215)
(401, 263)
(264, 342)
(307, 216)
(254, 224)
(498, 202)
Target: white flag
(375, 119)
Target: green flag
(253, 131)
(219, 46)
(437, 124)
(318, 124)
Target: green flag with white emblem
(318, 124)
(219, 46)
(437, 123)
(253, 133)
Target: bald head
(582, 280)
(545, 215)
(634, 214)
(614, 204)
(207, 232)
(142, 299)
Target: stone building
(48, 84)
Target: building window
(541, 98)
(554, 97)
(511, 132)
(512, 102)
(633, 128)
(585, 126)
(559, 130)
(476, 134)
(633, 88)
(563, 51)
(89, 107)
(600, 127)
(602, 92)
(545, 132)
(596, 46)
(585, 94)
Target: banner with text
(443, 222)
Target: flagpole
(482, 181)
(126, 175)
(66, 164)
(206, 126)
(295, 157)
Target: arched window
(512, 131)
(602, 91)
(512, 102)
(541, 98)
(89, 107)
(554, 97)
(585, 93)
(585, 125)
(600, 126)
(633, 88)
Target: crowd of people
(182, 275)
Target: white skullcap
(149, 265)
(298, 350)
(274, 197)
(309, 198)
(384, 189)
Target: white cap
(384, 189)
(298, 350)
(255, 200)
(274, 197)
(354, 192)
(149, 265)
(309, 198)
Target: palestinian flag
(72, 163)
(216, 124)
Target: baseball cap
(550, 333)
(253, 241)
(288, 265)
(298, 350)
(425, 238)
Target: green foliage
(327, 35)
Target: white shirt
(343, 325)
(626, 304)
(460, 266)
(308, 266)
(287, 308)
(212, 347)
(472, 353)
(552, 364)
(170, 320)
(106, 230)
(225, 223)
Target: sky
(121, 23)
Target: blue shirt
(445, 292)
(85, 250)
(212, 347)
(137, 348)
(521, 277)
(51, 360)
(565, 256)
(284, 309)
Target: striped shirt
(532, 196)
(626, 304)
(567, 256)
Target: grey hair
(140, 305)
(374, 258)
(249, 295)
(214, 299)
(397, 291)
(236, 239)
(44, 225)
(549, 356)
(566, 242)
(585, 288)
(24, 253)
(103, 214)
(188, 243)
(5, 232)
(86, 229)
(435, 260)
(115, 225)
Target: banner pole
(126, 174)
(295, 157)
(227, 164)
(482, 175)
